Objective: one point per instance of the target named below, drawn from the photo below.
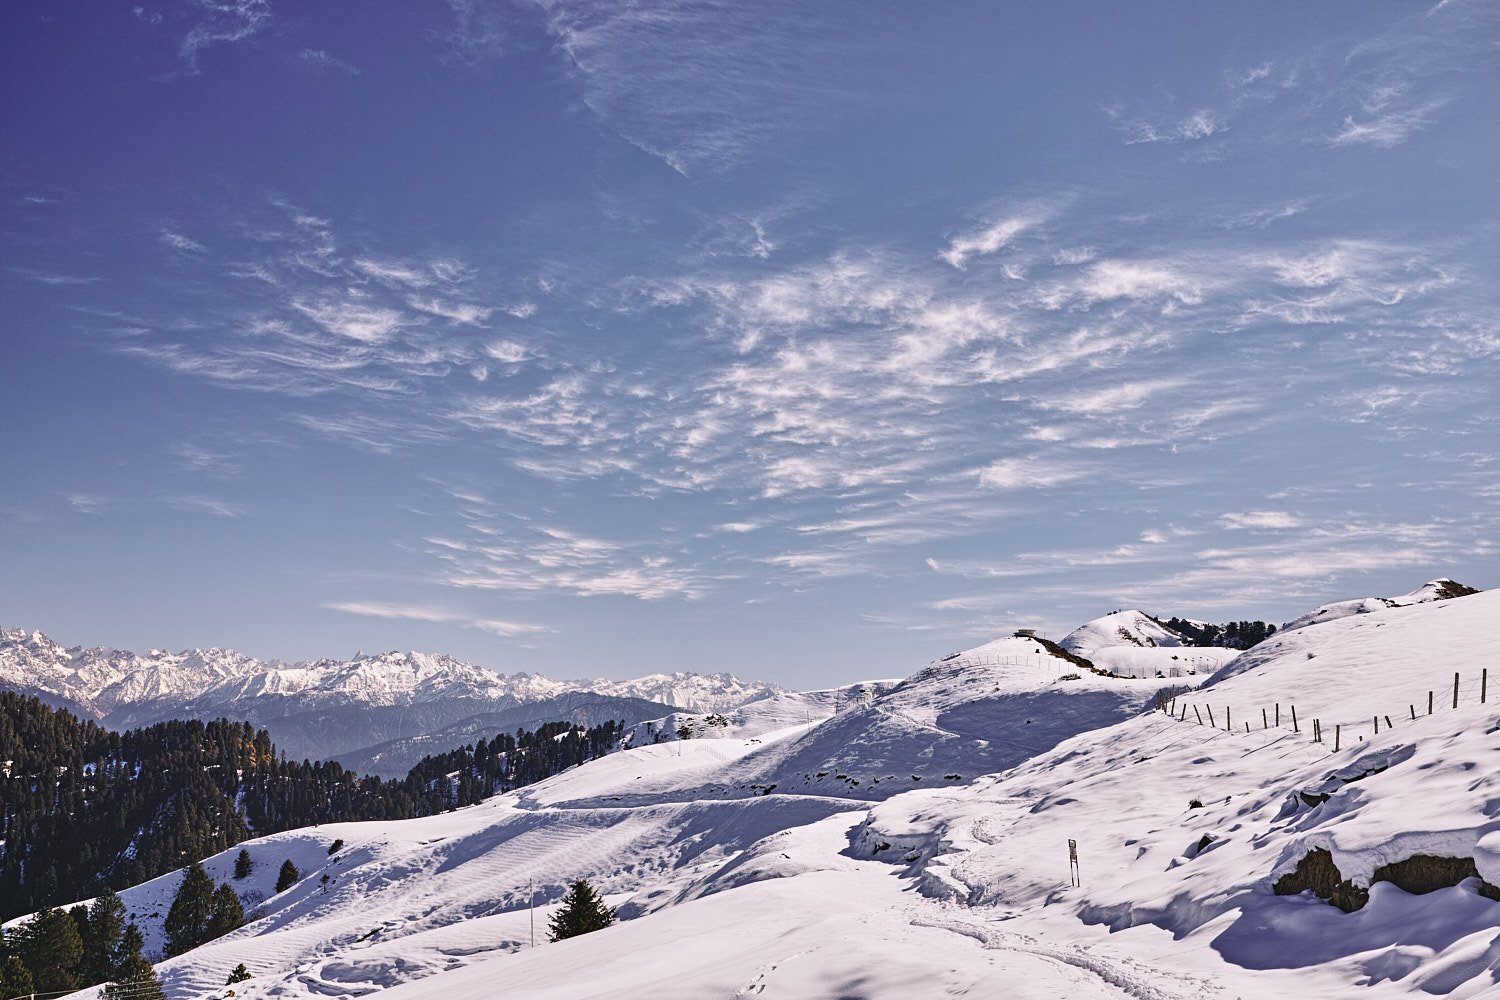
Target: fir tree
(15, 978)
(226, 915)
(136, 979)
(133, 975)
(237, 975)
(131, 943)
(582, 911)
(101, 943)
(242, 864)
(288, 876)
(191, 912)
(51, 948)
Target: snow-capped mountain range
(331, 708)
(912, 839)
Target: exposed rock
(1418, 874)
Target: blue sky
(807, 341)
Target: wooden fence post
(1429, 702)
(1198, 714)
(1263, 723)
(1484, 681)
(1294, 720)
(1455, 690)
(1335, 736)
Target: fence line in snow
(1475, 691)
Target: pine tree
(242, 864)
(582, 911)
(288, 876)
(106, 924)
(136, 981)
(131, 943)
(15, 978)
(191, 912)
(237, 975)
(226, 915)
(50, 947)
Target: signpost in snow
(1073, 874)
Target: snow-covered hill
(1433, 590)
(330, 708)
(1133, 644)
(913, 840)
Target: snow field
(874, 884)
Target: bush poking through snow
(333, 848)
(582, 911)
(238, 975)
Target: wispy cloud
(476, 34)
(222, 21)
(207, 505)
(1385, 128)
(321, 60)
(197, 457)
(700, 85)
(425, 613)
(1276, 519)
(179, 242)
(988, 239)
(1197, 124)
(85, 503)
(500, 552)
(52, 278)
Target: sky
(804, 341)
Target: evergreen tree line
(472, 773)
(59, 951)
(83, 808)
(1234, 635)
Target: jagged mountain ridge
(327, 708)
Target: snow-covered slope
(728, 886)
(1133, 644)
(1433, 590)
(325, 708)
(1122, 628)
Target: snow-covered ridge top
(1441, 589)
(100, 680)
(1123, 628)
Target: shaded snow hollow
(744, 865)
